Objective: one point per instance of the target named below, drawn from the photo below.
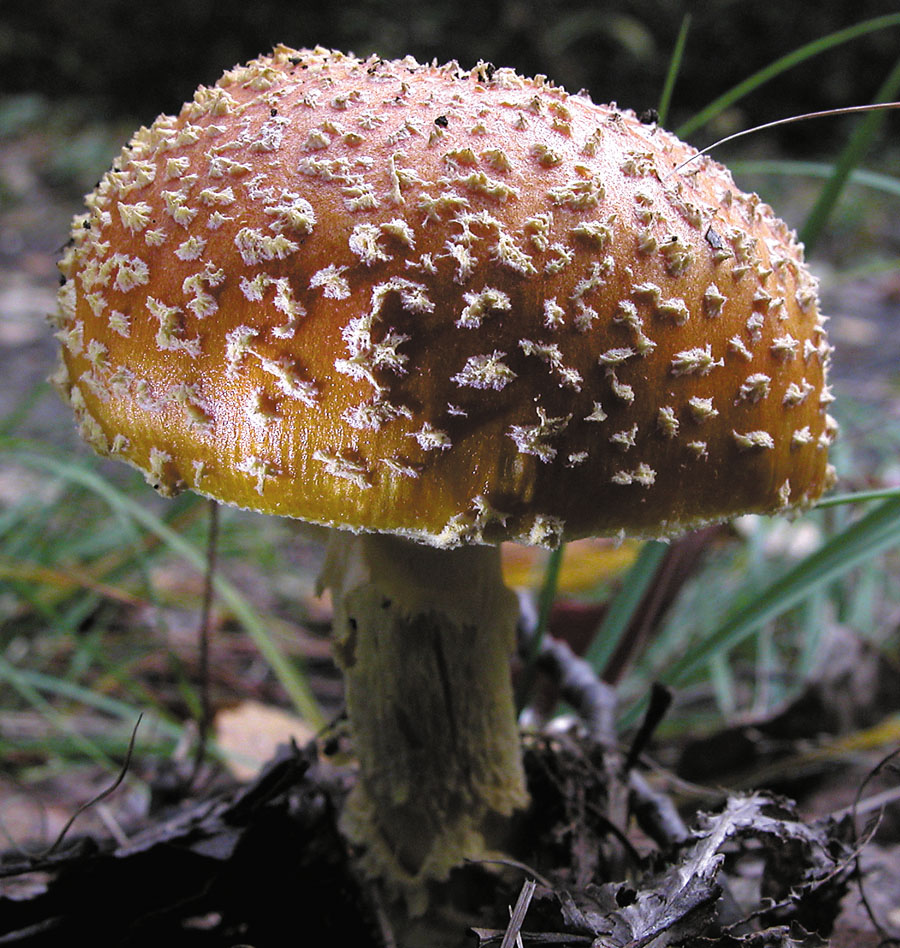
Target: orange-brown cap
(457, 306)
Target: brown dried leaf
(677, 904)
(250, 733)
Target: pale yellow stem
(424, 637)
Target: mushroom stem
(424, 638)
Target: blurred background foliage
(138, 59)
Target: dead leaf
(677, 904)
(250, 732)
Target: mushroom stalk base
(424, 638)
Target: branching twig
(593, 699)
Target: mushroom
(436, 309)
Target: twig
(487, 935)
(579, 684)
(94, 800)
(112, 825)
(660, 699)
(877, 801)
(883, 933)
(513, 935)
(655, 812)
(514, 864)
(204, 725)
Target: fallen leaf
(250, 732)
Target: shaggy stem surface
(424, 638)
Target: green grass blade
(14, 677)
(157, 723)
(871, 535)
(850, 157)
(884, 183)
(794, 58)
(23, 408)
(723, 685)
(546, 598)
(859, 497)
(665, 100)
(625, 602)
(548, 589)
(814, 624)
(115, 708)
(290, 678)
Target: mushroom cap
(459, 306)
